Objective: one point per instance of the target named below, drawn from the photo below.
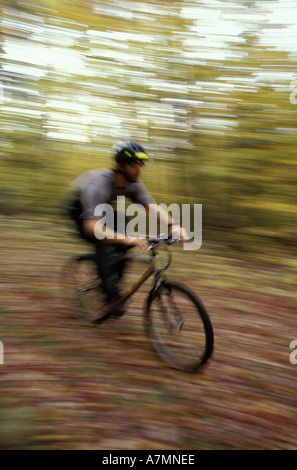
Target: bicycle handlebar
(161, 241)
(155, 242)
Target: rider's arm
(96, 230)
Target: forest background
(204, 86)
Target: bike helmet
(129, 150)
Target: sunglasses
(136, 164)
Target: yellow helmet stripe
(142, 156)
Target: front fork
(171, 315)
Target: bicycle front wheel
(179, 327)
(83, 285)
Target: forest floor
(65, 386)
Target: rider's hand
(141, 243)
(179, 232)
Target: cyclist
(98, 187)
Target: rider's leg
(106, 270)
(109, 275)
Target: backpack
(72, 205)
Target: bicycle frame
(154, 268)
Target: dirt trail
(68, 387)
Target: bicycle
(176, 321)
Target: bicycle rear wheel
(84, 289)
(179, 327)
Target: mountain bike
(176, 321)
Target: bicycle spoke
(180, 331)
(86, 288)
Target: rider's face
(133, 170)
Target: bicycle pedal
(178, 326)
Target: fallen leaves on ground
(65, 386)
